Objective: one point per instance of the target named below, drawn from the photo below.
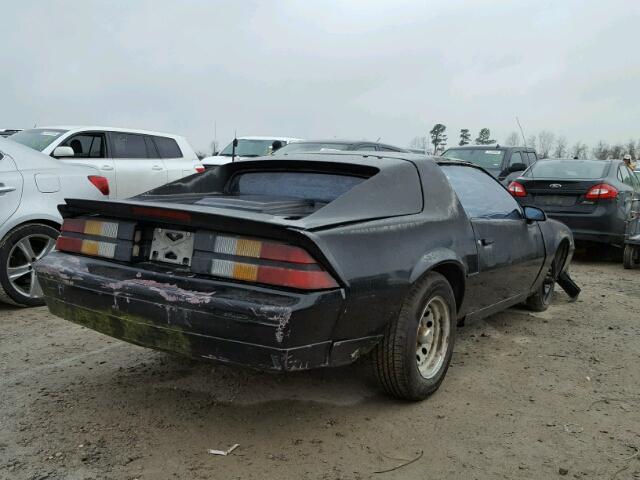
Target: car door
(10, 187)
(510, 249)
(90, 148)
(627, 194)
(138, 165)
(172, 157)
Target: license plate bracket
(172, 246)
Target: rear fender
(437, 260)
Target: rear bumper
(603, 225)
(199, 318)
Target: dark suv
(504, 163)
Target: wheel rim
(552, 275)
(433, 337)
(23, 255)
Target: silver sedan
(32, 185)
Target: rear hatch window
(568, 169)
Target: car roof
(82, 128)
(494, 146)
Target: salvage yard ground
(547, 395)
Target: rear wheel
(540, 301)
(19, 250)
(413, 357)
(631, 256)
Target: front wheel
(413, 357)
(19, 250)
(631, 256)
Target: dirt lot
(528, 396)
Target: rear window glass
(483, 157)
(566, 169)
(167, 147)
(322, 187)
(301, 147)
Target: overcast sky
(310, 69)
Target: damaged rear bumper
(200, 318)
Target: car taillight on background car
(200, 168)
(517, 189)
(602, 191)
(101, 183)
(269, 262)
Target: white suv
(248, 147)
(134, 161)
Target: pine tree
(438, 136)
(465, 137)
(484, 137)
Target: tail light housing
(602, 191)
(100, 182)
(517, 189)
(268, 262)
(98, 238)
(200, 168)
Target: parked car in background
(134, 161)
(248, 147)
(504, 163)
(317, 146)
(32, 186)
(7, 132)
(592, 197)
(309, 261)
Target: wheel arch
(448, 264)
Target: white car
(134, 161)
(32, 186)
(248, 147)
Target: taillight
(200, 168)
(268, 262)
(602, 191)
(100, 238)
(517, 189)
(101, 183)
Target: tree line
(546, 143)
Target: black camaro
(310, 262)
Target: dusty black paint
(384, 235)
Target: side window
(128, 145)
(366, 148)
(167, 147)
(480, 194)
(515, 158)
(386, 149)
(532, 157)
(86, 145)
(626, 176)
(152, 151)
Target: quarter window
(532, 157)
(167, 147)
(515, 158)
(480, 194)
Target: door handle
(106, 167)
(157, 167)
(485, 242)
(6, 189)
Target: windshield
(248, 148)
(37, 138)
(488, 159)
(302, 147)
(567, 169)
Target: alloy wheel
(23, 255)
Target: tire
(541, 299)
(631, 256)
(395, 360)
(22, 290)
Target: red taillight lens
(87, 247)
(101, 183)
(269, 262)
(602, 191)
(200, 168)
(517, 189)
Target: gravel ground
(528, 395)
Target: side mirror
(517, 167)
(534, 214)
(61, 152)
